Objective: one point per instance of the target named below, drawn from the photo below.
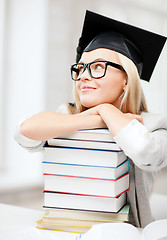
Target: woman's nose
(85, 75)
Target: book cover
(62, 227)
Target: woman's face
(107, 89)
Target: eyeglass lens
(95, 69)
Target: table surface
(20, 223)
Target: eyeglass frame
(87, 66)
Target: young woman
(108, 94)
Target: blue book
(82, 170)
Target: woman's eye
(99, 66)
(80, 69)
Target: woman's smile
(85, 88)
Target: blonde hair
(132, 99)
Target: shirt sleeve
(29, 144)
(147, 149)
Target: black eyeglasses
(96, 69)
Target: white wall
(2, 33)
(24, 85)
(150, 15)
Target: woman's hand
(132, 116)
(99, 123)
(91, 111)
(114, 119)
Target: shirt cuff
(27, 143)
(132, 138)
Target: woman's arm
(113, 117)
(145, 145)
(47, 125)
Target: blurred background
(38, 40)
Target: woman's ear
(125, 84)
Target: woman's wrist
(113, 118)
(90, 121)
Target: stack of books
(86, 177)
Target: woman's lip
(85, 88)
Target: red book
(87, 186)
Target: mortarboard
(141, 46)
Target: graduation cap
(141, 46)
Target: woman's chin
(89, 104)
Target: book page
(155, 231)
(111, 231)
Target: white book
(85, 170)
(100, 134)
(84, 218)
(81, 143)
(53, 215)
(87, 186)
(83, 202)
(103, 158)
(156, 230)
